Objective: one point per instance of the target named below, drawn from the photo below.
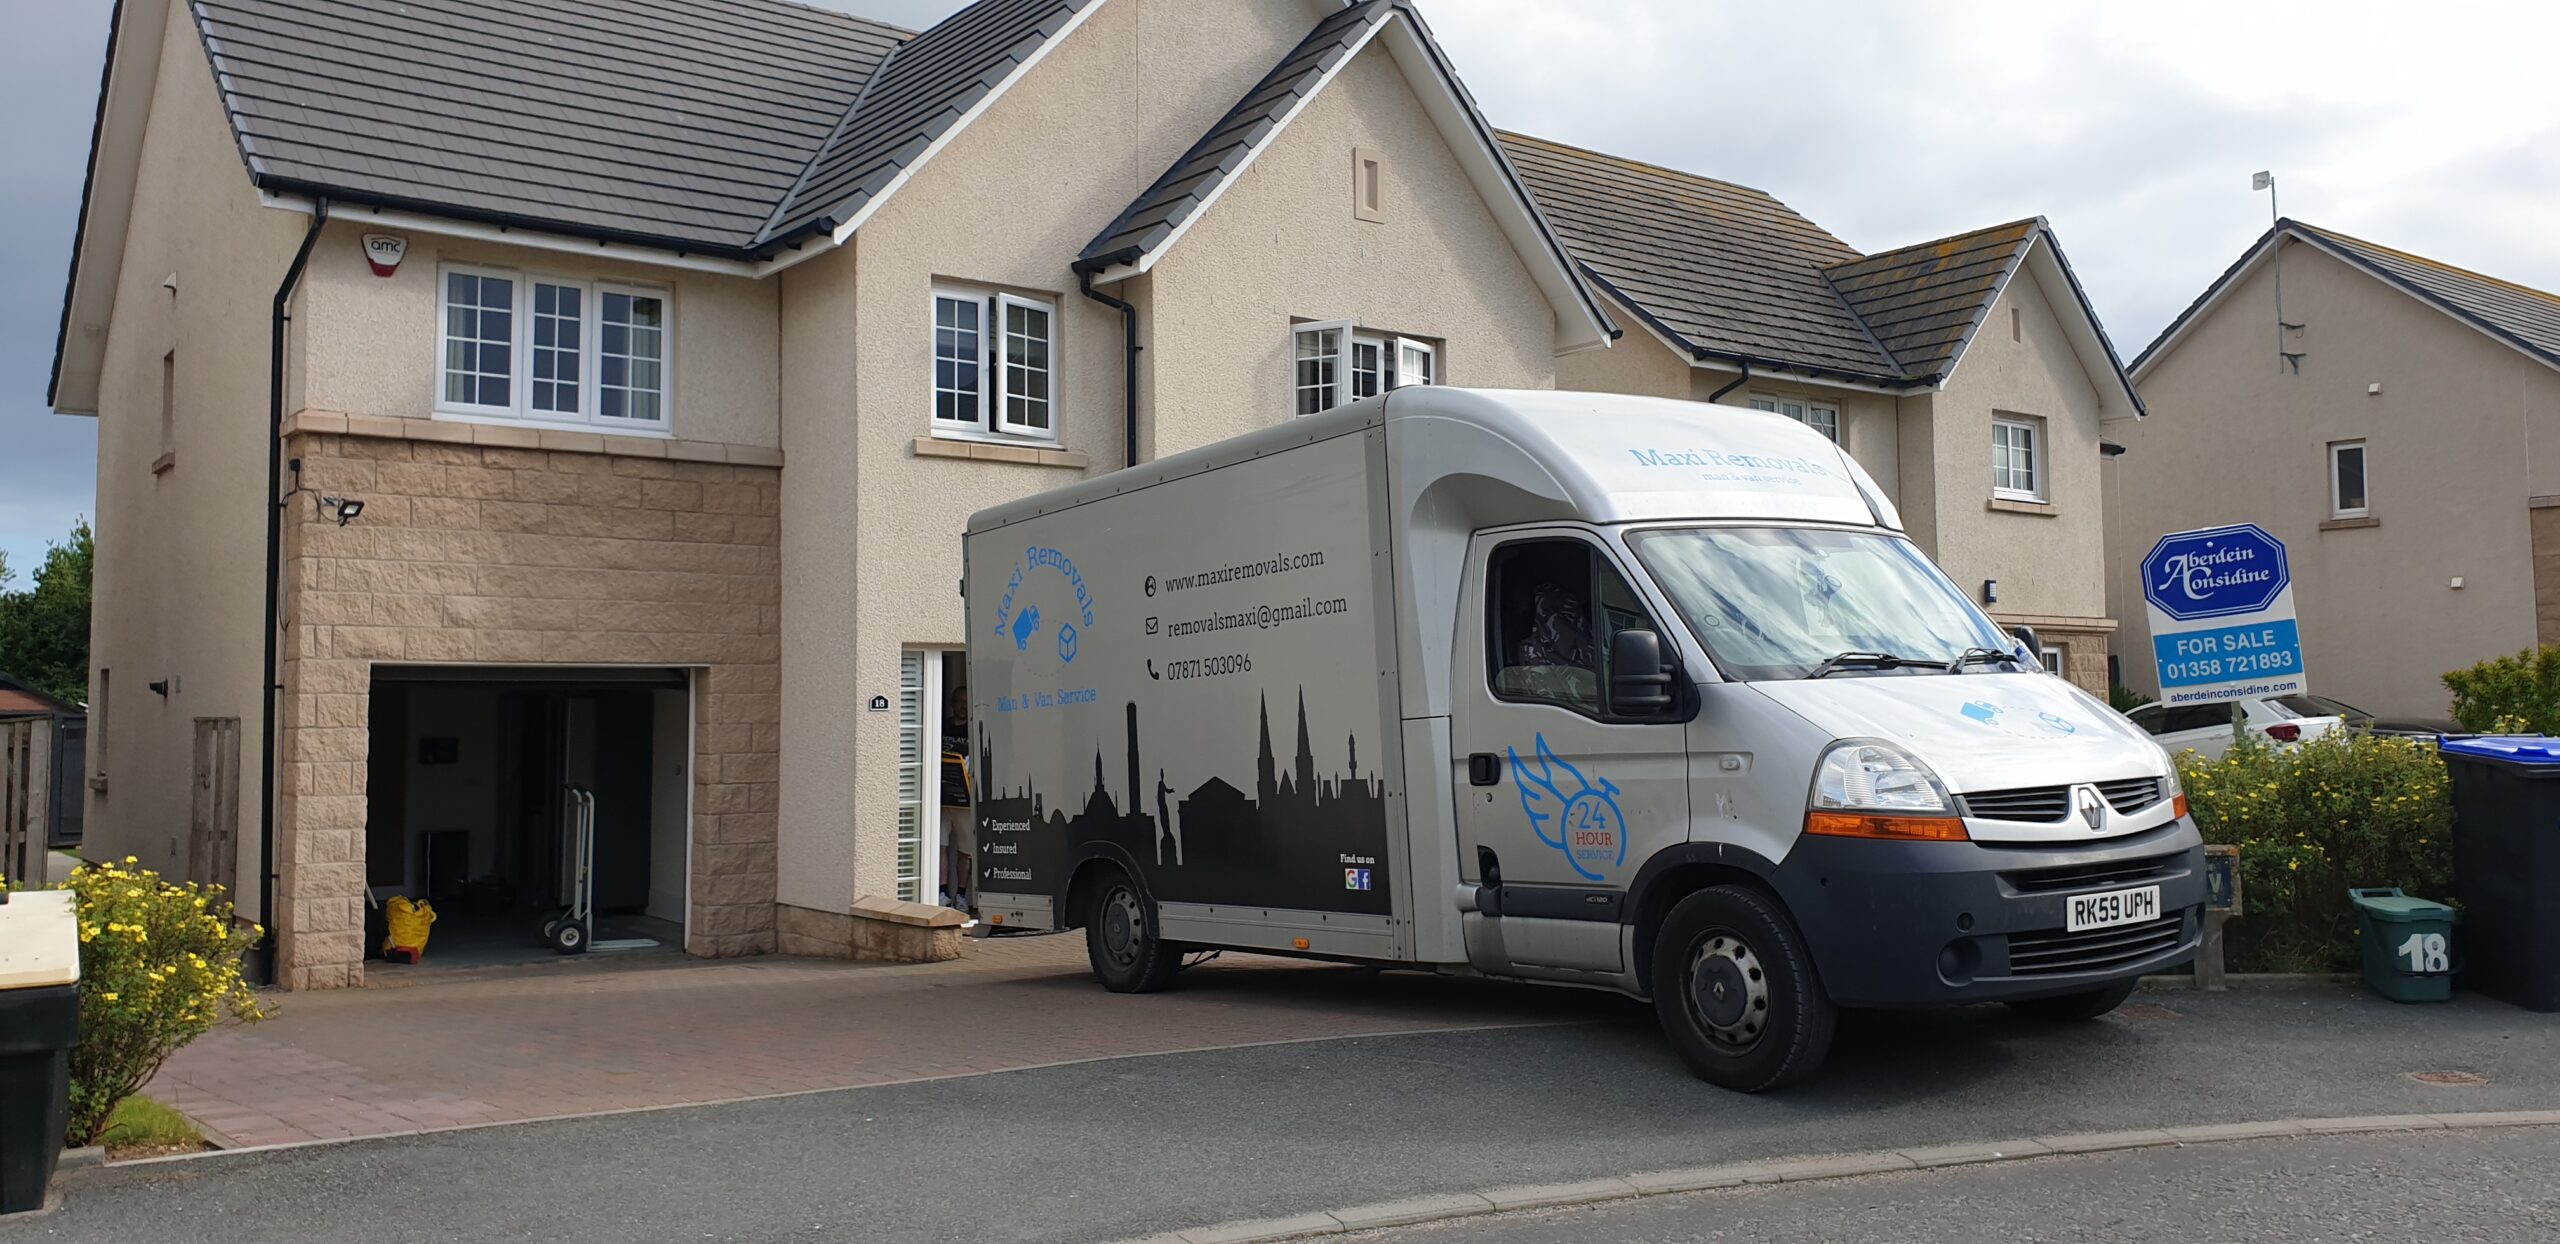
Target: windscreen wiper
(1862, 660)
(1973, 655)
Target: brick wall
(503, 545)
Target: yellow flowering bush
(2509, 695)
(159, 967)
(2311, 821)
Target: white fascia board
(1147, 262)
(442, 226)
(115, 167)
(945, 139)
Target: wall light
(346, 508)
(1991, 591)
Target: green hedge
(2509, 695)
(2341, 810)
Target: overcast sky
(2134, 128)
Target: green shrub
(2125, 699)
(2313, 820)
(159, 967)
(2515, 695)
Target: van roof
(1598, 457)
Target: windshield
(1775, 602)
(2320, 706)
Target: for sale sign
(2222, 621)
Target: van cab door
(1565, 785)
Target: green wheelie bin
(2408, 945)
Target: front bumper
(1926, 923)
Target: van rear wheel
(1120, 938)
(1735, 990)
(2073, 1008)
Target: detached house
(1969, 375)
(496, 402)
(2386, 416)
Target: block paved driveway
(600, 1035)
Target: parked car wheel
(1735, 990)
(1120, 938)
(2073, 1008)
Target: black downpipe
(1129, 387)
(1738, 382)
(275, 568)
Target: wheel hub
(1121, 923)
(1728, 990)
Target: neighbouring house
(2380, 413)
(562, 420)
(1969, 375)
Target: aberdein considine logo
(1045, 611)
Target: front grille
(2056, 953)
(2092, 876)
(2131, 795)
(2037, 803)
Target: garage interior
(473, 784)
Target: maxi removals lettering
(1045, 611)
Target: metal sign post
(2222, 621)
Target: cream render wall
(2451, 468)
(1282, 245)
(181, 553)
(372, 341)
(2048, 565)
(871, 529)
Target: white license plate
(2113, 907)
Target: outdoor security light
(346, 508)
(1991, 591)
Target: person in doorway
(959, 815)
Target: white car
(2279, 719)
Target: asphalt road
(1109, 1150)
(2495, 1187)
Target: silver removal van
(1608, 691)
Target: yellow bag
(409, 920)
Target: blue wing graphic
(1540, 808)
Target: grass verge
(143, 1128)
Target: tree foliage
(44, 630)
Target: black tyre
(569, 937)
(1120, 938)
(1735, 989)
(550, 927)
(2073, 1008)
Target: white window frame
(519, 409)
(1392, 370)
(2364, 467)
(2036, 489)
(2051, 658)
(991, 422)
(1801, 411)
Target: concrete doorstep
(1798, 1170)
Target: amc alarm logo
(385, 251)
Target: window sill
(511, 434)
(162, 464)
(2342, 524)
(2017, 505)
(999, 451)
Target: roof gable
(2518, 316)
(1924, 302)
(1153, 223)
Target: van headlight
(1872, 776)
(2177, 792)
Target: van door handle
(1484, 769)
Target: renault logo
(2092, 809)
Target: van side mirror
(1639, 679)
(2027, 635)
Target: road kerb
(1414, 1210)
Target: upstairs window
(994, 364)
(553, 350)
(1332, 362)
(2347, 497)
(1819, 416)
(2017, 459)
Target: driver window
(1548, 644)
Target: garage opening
(515, 800)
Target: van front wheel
(1120, 938)
(1736, 992)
